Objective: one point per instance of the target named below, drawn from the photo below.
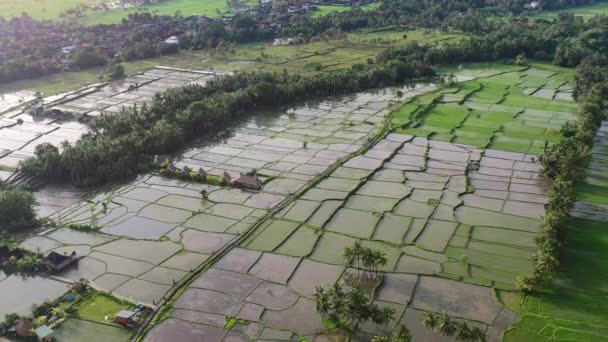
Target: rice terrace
(312, 171)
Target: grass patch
(326, 9)
(81, 330)
(588, 11)
(576, 304)
(592, 193)
(209, 8)
(39, 9)
(100, 306)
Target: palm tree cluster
(460, 330)
(365, 258)
(348, 309)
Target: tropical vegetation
(16, 209)
(459, 330)
(349, 309)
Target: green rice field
(599, 8)
(50, 9)
(40, 9)
(210, 8)
(505, 108)
(575, 307)
(326, 9)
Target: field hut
(202, 173)
(57, 262)
(44, 334)
(248, 182)
(226, 178)
(124, 317)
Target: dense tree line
(561, 162)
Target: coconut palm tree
(430, 320)
(402, 334)
(463, 332)
(380, 259)
(478, 334)
(322, 301)
(445, 325)
(354, 254)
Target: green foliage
(99, 306)
(445, 326)
(349, 309)
(9, 321)
(430, 320)
(164, 136)
(364, 257)
(401, 334)
(87, 58)
(115, 71)
(28, 263)
(81, 227)
(16, 210)
(230, 323)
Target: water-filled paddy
(454, 218)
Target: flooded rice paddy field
(456, 219)
(411, 197)
(593, 204)
(154, 231)
(20, 132)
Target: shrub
(116, 71)
(87, 58)
(28, 263)
(17, 209)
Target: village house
(534, 5)
(44, 334)
(56, 262)
(247, 182)
(124, 317)
(172, 40)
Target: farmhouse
(57, 262)
(124, 317)
(44, 333)
(247, 182)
